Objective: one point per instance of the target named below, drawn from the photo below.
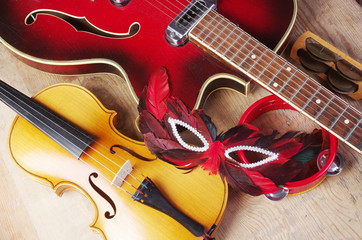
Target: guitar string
(258, 49)
(350, 116)
(301, 72)
(123, 159)
(243, 32)
(196, 6)
(320, 111)
(92, 157)
(262, 59)
(295, 69)
(98, 152)
(160, 9)
(281, 73)
(335, 127)
(106, 158)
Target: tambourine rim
(271, 103)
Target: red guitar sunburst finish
(50, 39)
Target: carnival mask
(164, 119)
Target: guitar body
(44, 35)
(34, 152)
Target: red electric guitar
(128, 38)
(141, 36)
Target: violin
(65, 138)
(122, 37)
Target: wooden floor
(29, 210)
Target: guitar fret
(301, 86)
(247, 56)
(275, 75)
(264, 69)
(325, 106)
(355, 127)
(257, 60)
(231, 45)
(235, 38)
(310, 99)
(205, 27)
(236, 53)
(339, 116)
(285, 84)
(236, 48)
(217, 36)
(223, 41)
(212, 31)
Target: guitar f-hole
(81, 24)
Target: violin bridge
(122, 174)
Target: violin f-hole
(81, 24)
(130, 151)
(107, 214)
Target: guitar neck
(231, 45)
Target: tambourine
(328, 161)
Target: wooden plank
(29, 210)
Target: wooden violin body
(117, 215)
(45, 35)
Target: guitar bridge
(177, 31)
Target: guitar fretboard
(233, 46)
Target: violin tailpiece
(148, 194)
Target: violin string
(301, 72)
(262, 59)
(89, 146)
(117, 154)
(108, 158)
(103, 175)
(122, 158)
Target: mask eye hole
(189, 137)
(271, 156)
(192, 135)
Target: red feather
(286, 148)
(157, 106)
(158, 92)
(148, 123)
(280, 174)
(179, 110)
(250, 182)
(214, 157)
